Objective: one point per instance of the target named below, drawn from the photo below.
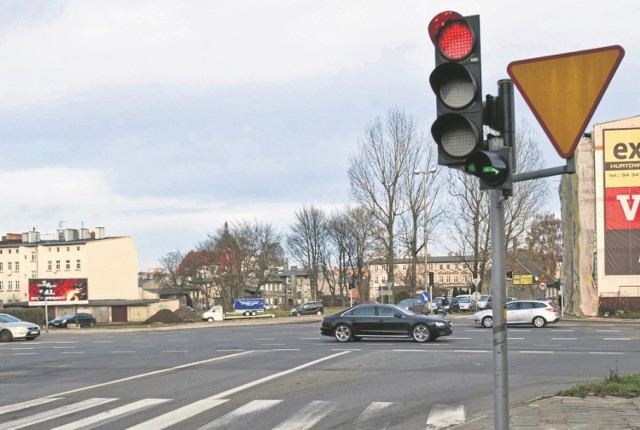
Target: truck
(243, 308)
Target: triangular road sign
(564, 90)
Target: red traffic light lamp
(456, 81)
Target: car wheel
(92, 324)
(421, 333)
(297, 314)
(5, 336)
(487, 322)
(539, 322)
(319, 313)
(210, 319)
(30, 338)
(343, 333)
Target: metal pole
(424, 174)
(498, 268)
(501, 380)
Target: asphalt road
(289, 376)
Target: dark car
(311, 308)
(414, 305)
(452, 305)
(378, 320)
(83, 320)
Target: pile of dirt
(164, 316)
(187, 314)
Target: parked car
(12, 328)
(414, 305)
(534, 312)
(311, 308)
(511, 299)
(378, 320)
(485, 301)
(83, 320)
(467, 304)
(270, 307)
(452, 305)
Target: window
(57, 264)
(448, 279)
(49, 265)
(33, 256)
(1, 286)
(17, 285)
(17, 266)
(455, 279)
(1, 266)
(440, 279)
(9, 285)
(34, 275)
(67, 265)
(78, 265)
(9, 266)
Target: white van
(214, 314)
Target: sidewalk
(567, 413)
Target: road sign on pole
(564, 90)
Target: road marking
(481, 351)
(536, 352)
(54, 413)
(445, 416)
(308, 416)
(27, 404)
(408, 350)
(378, 415)
(177, 415)
(564, 338)
(25, 353)
(237, 415)
(605, 353)
(113, 414)
(608, 331)
(144, 375)
(617, 338)
(73, 352)
(515, 338)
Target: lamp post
(424, 174)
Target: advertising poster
(58, 291)
(622, 201)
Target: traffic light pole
(498, 258)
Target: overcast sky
(163, 119)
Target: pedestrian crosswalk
(59, 413)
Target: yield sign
(564, 90)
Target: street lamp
(424, 174)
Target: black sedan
(377, 320)
(83, 319)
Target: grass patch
(614, 385)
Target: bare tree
(170, 263)
(544, 241)
(385, 154)
(306, 242)
(471, 221)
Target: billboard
(72, 291)
(621, 148)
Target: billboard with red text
(71, 291)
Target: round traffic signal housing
(452, 35)
(456, 135)
(454, 86)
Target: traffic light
(493, 167)
(431, 279)
(457, 83)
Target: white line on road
(445, 416)
(144, 375)
(605, 353)
(536, 352)
(24, 405)
(54, 413)
(481, 351)
(617, 338)
(564, 338)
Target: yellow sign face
(564, 90)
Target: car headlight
(441, 324)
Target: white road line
(408, 350)
(481, 351)
(515, 338)
(308, 416)
(608, 331)
(536, 352)
(25, 353)
(236, 416)
(73, 352)
(617, 338)
(27, 404)
(378, 415)
(445, 416)
(53, 413)
(177, 415)
(605, 353)
(111, 415)
(144, 375)
(564, 338)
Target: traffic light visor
(454, 85)
(452, 35)
(457, 136)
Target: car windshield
(5, 318)
(406, 302)
(67, 316)
(464, 300)
(484, 298)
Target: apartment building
(96, 267)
